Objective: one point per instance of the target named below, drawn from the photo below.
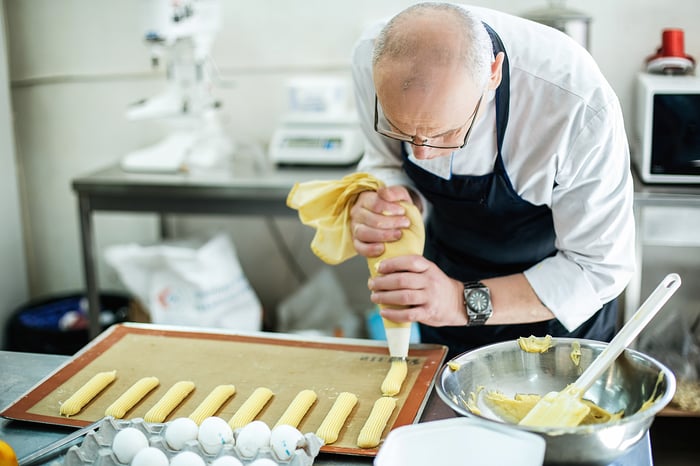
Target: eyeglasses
(438, 142)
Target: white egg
(263, 462)
(180, 431)
(252, 437)
(214, 433)
(187, 458)
(226, 461)
(127, 443)
(284, 440)
(150, 456)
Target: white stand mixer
(182, 35)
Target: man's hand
(377, 218)
(416, 290)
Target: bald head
(429, 39)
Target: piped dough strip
(329, 429)
(168, 402)
(251, 407)
(298, 408)
(211, 404)
(131, 396)
(371, 433)
(395, 377)
(87, 392)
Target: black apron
(480, 228)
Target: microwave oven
(667, 148)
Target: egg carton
(96, 447)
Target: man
(507, 136)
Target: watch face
(478, 301)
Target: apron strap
(503, 91)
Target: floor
(675, 441)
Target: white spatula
(565, 408)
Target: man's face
(435, 109)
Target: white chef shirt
(565, 147)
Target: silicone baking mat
(285, 364)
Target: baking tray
(284, 363)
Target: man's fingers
(394, 194)
(386, 208)
(368, 234)
(399, 315)
(368, 249)
(407, 263)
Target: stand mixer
(182, 35)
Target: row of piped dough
(328, 431)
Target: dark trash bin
(59, 324)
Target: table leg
(90, 269)
(166, 231)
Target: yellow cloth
(325, 205)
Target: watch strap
(476, 319)
(474, 284)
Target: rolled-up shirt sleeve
(592, 210)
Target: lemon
(7, 455)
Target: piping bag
(325, 206)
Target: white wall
(76, 64)
(13, 270)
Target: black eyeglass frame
(412, 139)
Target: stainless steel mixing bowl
(625, 386)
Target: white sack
(197, 286)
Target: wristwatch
(477, 301)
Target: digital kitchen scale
(316, 141)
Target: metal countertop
(19, 372)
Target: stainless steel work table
(247, 187)
(21, 371)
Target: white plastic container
(460, 441)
